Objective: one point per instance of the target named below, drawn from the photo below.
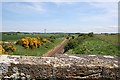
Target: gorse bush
(44, 40)
(31, 43)
(7, 48)
(2, 51)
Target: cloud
(111, 8)
(23, 7)
(100, 21)
(102, 13)
(105, 29)
(37, 7)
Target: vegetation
(36, 51)
(12, 36)
(31, 43)
(93, 44)
(109, 38)
(2, 51)
(36, 44)
(7, 48)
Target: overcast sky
(60, 16)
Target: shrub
(52, 39)
(44, 40)
(31, 43)
(71, 45)
(67, 37)
(7, 48)
(81, 34)
(90, 34)
(2, 50)
(73, 37)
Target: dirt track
(57, 50)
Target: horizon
(63, 32)
(66, 17)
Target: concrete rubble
(59, 67)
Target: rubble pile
(59, 67)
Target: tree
(91, 34)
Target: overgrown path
(57, 50)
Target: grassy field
(15, 37)
(99, 44)
(56, 38)
(38, 51)
(19, 36)
(109, 38)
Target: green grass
(35, 52)
(97, 45)
(19, 36)
(16, 37)
(109, 38)
(38, 51)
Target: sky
(71, 16)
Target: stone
(6, 77)
(23, 78)
(28, 77)
(22, 74)
(61, 66)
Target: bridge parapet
(61, 66)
